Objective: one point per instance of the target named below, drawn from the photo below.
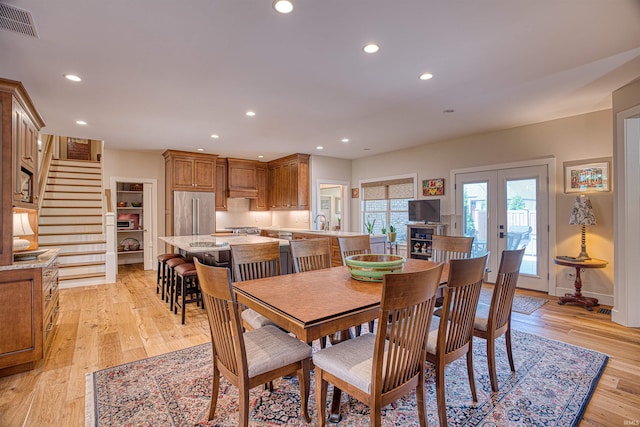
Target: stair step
(79, 203)
(81, 264)
(70, 254)
(89, 242)
(69, 229)
(71, 233)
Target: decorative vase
(424, 248)
(416, 247)
(392, 236)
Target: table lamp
(582, 215)
(21, 227)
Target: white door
(508, 209)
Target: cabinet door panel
(221, 185)
(20, 307)
(204, 176)
(182, 173)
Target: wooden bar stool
(162, 272)
(186, 283)
(170, 279)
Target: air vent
(17, 20)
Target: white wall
(574, 138)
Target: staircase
(71, 219)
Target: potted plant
(392, 233)
(338, 226)
(383, 230)
(369, 225)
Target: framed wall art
(587, 176)
(433, 187)
(355, 193)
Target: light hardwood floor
(107, 325)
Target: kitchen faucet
(325, 223)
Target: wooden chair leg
(472, 381)
(507, 338)
(214, 393)
(243, 414)
(422, 411)
(491, 362)
(321, 398)
(304, 379)
(440, 395)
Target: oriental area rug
(524, 304)
(551, 387)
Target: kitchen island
(215, 250)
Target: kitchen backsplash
(239, 215)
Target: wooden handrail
(107, 193)
(45, 165)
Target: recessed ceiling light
(367, 149)
(215, 136)
(81, 122)
(449, 110)
(72, 77)
(261, 156)
(319, 147)
(199, 149)
(283, 6)
(426, 76)
(371, 48)
(250, 113)
(345, 140)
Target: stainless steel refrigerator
(194, 213)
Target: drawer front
(50, 321)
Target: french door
(508, 209)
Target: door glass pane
(474, 215)
(521, 221)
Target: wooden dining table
(320, 303)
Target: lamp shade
(21, 225)
(582, 212)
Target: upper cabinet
(260, 202)
(221, 184)
(19, 158)
(190, 171)
(186, 171)
(288, 179)
(242, 178)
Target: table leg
(334, 412)
(577, 297)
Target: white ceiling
(164, 74)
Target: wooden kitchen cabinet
(190, 171)
(186, 171)
(18, 156)
(242, 178)
(221, 184)
(30, 305)
(260, 203)
(289, 182)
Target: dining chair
(355, 245)
(452, 334)
(251, 358)
(446, 248)
(255, 261)
(377, 370)
(310, 254)
(494, 320)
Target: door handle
(502, 234)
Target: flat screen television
(424, 210)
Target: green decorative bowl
(371, 267)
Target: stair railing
(45, 165)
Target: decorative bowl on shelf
(371, 267)
(136, 204)
(121, 204)
(130, 244)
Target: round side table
(577, 297)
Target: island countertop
(320, 233)
(208, 243)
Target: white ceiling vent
(18, 20)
